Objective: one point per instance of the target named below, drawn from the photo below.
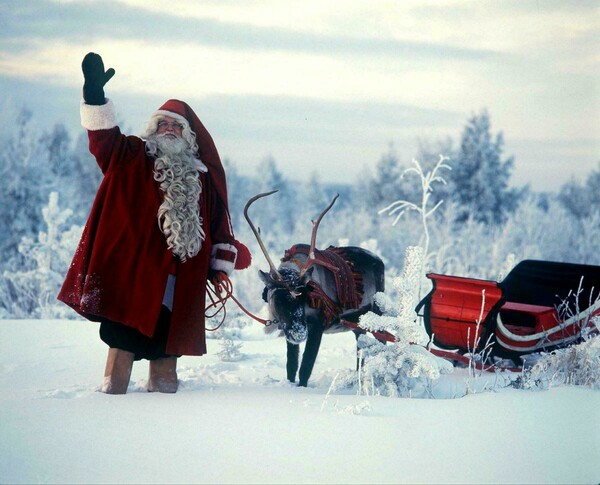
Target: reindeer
(314, 292)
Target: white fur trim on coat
(222, 257)
(98, 117)
(170, 114)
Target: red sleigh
(540, 305)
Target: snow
(241, 422)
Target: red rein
(219, 296)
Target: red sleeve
(107, 144)
(111, 148)
(223, 251)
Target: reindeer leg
(293, 351)
(311, 349)
(357, 333)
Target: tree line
(48, 180)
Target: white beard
(177, 171)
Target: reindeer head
(287, 299)
(286, 287)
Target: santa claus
(159, 228)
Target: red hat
(207, 151)
(208, 154)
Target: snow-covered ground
(241, 422)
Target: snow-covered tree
(279, 209)
(25, 182)
(386, 184)
(32, 292)
(239, 189)
(480, 177)
(582, 200)
(75, 174)
(57, 144)
(314, 197)
(33, 164)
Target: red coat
(120, 269)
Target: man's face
(169, 127)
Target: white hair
(186, 133)
(177, 170)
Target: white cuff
(98, 117)
(222, 257)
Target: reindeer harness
(348, 283)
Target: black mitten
(95, 78)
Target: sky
(326, 87)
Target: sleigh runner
(540, 305)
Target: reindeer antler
(313, 240)
(256, 232)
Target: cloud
(147, 21)
(344, 77)
(194, 70)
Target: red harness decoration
(348, 283)
(227, 288)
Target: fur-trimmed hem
(222, 257)
(100, 117)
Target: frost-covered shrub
(230, 350)
(399, 370)
(577, 365)
(229, 334)
(405, 367)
